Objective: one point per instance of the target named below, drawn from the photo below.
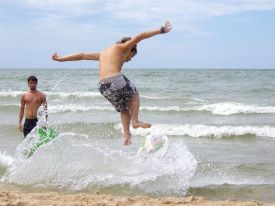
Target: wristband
(162, 30)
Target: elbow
(81, 56)
(140, 37)
(97, 57)
(21, 110)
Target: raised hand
(166, 27)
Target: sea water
(220, 125)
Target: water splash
(34, 139)
(5, 159)
(81, 162)
(74, 162)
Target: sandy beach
(82, 199)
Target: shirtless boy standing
(31, 100)
(113, 85)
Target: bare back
(111, 61)
(33, 100)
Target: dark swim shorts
(29, 125)
(118, 90)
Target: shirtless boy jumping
(113, 85)
(30, 101)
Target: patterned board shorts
(118, 90)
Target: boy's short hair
(32, 78)
(127, 38)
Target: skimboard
(45, 135)
(155, 145)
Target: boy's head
(32, 82)
(125, 39)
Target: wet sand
(82, 199)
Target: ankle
(127, 134)
(134, 121)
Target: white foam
(77, 94)
(76, 108)
(154, 97)
(204, 130)
(228, 108)
(5, 159)
(83, 108)
(165, 109)
(198, 100)
(8, 93)
(222, 108)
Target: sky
(237, 34)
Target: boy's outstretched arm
(147, 34)
(76, 56)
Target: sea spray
(5, 159)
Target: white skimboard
(154, 145)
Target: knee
(125, 111)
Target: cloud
(43, 25)
(144, 10)
(59, 2)
(184, 14)
(109, 15)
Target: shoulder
(113, 49)
(43, 97)
(120, 48)
(23, 95)
(42, 94)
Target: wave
(76, 108)
(154, 97)
(222, 108)
(228, 108)
(204, 130)
(73, 94)
(89, 94)
(211, 173)
(4, 93)
(10, 93)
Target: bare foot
(137, 124)
(127, 139)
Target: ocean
(220, 124)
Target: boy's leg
(134, 108)
(125, 120)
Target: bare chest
(33, 99)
